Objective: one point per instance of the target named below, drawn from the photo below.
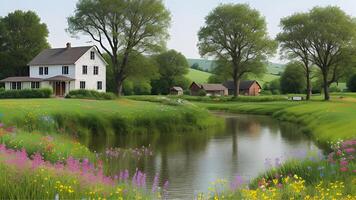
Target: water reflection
(190, 161)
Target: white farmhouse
(63, 70)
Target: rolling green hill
(198, 76)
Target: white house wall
(89, 78)
(53, 70)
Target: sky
(187, 18)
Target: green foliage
(90, 94)
(236, 35)
(22, 37)
(26, 93)
(202, 93)
(274, 87)
(172, 68)
(198, 76)
(293, 79)
(351, 83)
(141, 70)
(122, 28)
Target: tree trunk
(326, 86)
(309, 87)
(237, 86)
(119, 83)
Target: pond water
(191, 161)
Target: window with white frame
(65, 70)
(85, 69)
(82, 84)
(46, 70)
(16, 85)
(40, 72)
(96, 70)
(92, 55)
(100, 85)
(35, 85)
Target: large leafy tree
(172, 68)
(331, 35)
(122, 27)
(237, 34)
(22, 37)
(295, 45)
(137, 62)
(293, 78)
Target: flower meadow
(36, 166)
(320, 177)
(26, 176)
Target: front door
(59, 88)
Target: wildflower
(343, 169)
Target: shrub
(26, 93)
(202, 93)
(90, 94)
(351, 83)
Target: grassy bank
(123, 116)
(325, 121)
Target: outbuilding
(247, 87)
(176, 91)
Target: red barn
(248, 88)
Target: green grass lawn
(198, 76)
(108, 117)
(326, 121)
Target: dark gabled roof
(244, 85)
(59, 78)
(213, 87)
(177, 88)
(59, 56)
(20, 79)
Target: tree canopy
(238, 35)
(295, 45)
(172, 68)
(293, 79)
(22, 37)
(121, 27)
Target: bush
(26, 93)
(351, 83)
(90, 94)
(202, 93)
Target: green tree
(22, 37)
(122, 27)
(351, 83)
(293, 79)
(331, 32)
(172, 68)
(136, 65)
(294, 44)
(237, 34)
(273, 86)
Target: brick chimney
(68, 45)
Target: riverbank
(325, 121)
(86, 117)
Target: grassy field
(198, 76)
(326, 121)
(107, 117)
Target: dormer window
(65, 70)
(92, 55)
(40, 72)
(46, 70)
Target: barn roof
(244, 85)
(213, 87)
(59, 56)
(177, 88)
